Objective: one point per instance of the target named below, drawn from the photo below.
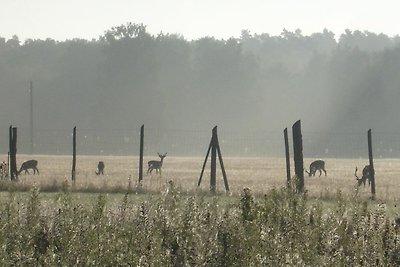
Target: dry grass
(259, 174)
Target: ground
(258, 174)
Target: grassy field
(71, 228)
(259, 174)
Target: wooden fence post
(285, 136)
(31, 118)
(141, 154)
(8, 164)
(13, 153)
(371, 164)
(213, 174)
(214, 148)
(10, 152)
(298, 155)
(73, 155)
(14, 133)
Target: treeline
(260, 82)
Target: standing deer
(366, 175)
(318, 165)
(155, 164)
(29, 164)
(100, 168)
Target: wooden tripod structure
(214, 147)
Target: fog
(252, 87)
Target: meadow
(258, 174)
(99, 222)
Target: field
(258, 174)
(96, 224)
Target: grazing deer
(29, 164)
(155, 164)
(100, 168)
(318, 165)
(366, 175)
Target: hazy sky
(66, 19)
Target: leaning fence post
(371, 164)
(141, 154)
(298, 155)
(285, 135)
(73, 155)
(221, 163)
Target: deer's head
(162, 156)
(309, 173)
(366, 175)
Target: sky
(193, 19)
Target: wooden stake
(371, 164)
(285, 135)
(13, 153)
(141, 154)
(298, 155)
(213, 174)
(205, 162)
(73, 155)
(31, 118)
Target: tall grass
(280, 228)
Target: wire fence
(195, 142)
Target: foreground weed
(281, 228)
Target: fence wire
(180, 142)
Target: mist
(252, 87)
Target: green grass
(279, 228)
(102, 222)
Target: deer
(366, 175)
(29, 164)
(155, 164)
(100, 168)
(317, 165)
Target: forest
(257, 83)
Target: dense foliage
(279, 229)
(260, 82)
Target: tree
(13, 42)
(128, 31)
